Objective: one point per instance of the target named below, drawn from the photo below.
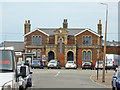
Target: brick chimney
(100, 28)
(65, 24)
(27, 26)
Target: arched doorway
(50, 55)
(70, 56)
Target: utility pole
(77, 53)
(104, 57)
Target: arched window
(60, 45)
(33, 40)
(83, 40)
(89, 55)
(39, 40)
(84, 55)
(90, 40)
(86, 40)
(36, 40)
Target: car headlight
(119, 82)
(55, 64)
(7, 85)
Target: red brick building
(64, 44)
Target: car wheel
(20, 87)
(48, 67)
(30, 84)
(113, 88)
(118, 88)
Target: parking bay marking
(57, 74)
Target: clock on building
(60, 31)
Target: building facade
(65, 44)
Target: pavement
(108, 78)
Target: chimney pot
(28, 21)
(25, 21)
(99, 21)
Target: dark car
(54, 64)
(87, 65)
(37, 64)
(116, 80)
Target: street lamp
(104, 57)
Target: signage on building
(18, 53)
(43, 58)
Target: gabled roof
(37, 30)
(71, 31)
(87, 30)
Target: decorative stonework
(51, 48)
(72, 49)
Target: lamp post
(104, 57)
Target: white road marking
(57, 74)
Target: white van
(112, 61)
(8, 69)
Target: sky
(51, 14)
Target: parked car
(37, 64)
(54, 64)
(99, 65)
(71, 64)
(25, 81)
(116, 80)
(87, 65)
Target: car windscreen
(87, 63)
(100, 63)
(6, 60)
(70, 62)
(36, 61)
(53, 61)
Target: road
(62, 78)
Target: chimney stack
(27, 26)
(65, 24)
(100, 28)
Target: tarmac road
(62, 78)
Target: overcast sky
(51, 15)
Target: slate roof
(18, 46)
(71, 31)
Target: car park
(37, 64)
(99, 65)
(71, 65)
(54, 64)
(116, 80)
(87, 65)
